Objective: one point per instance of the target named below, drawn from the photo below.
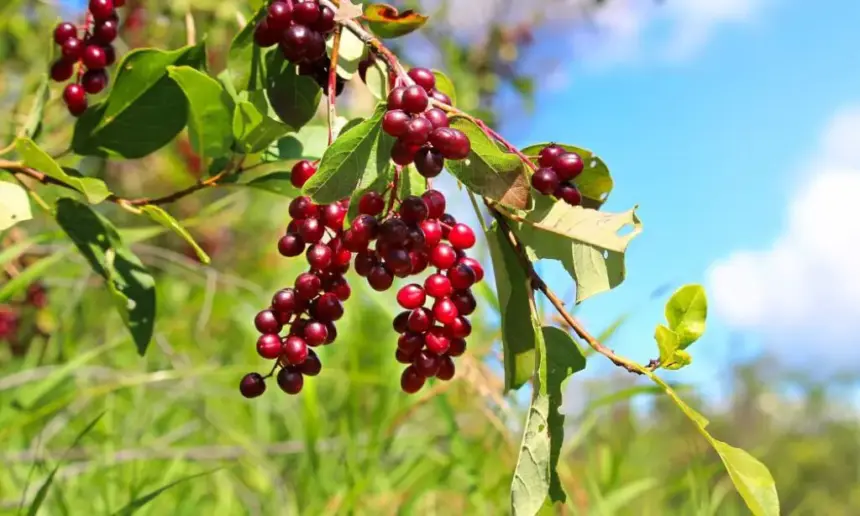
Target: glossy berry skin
(308, 285)
(475, 265)
(403, 153)
(101, 9)
(372, 203)
(440, 97)
(306, 12)
(464, 301)
(426, 364)
(311, 230)
(424, 78)
(269, 346)
(295, 350)
(291, 245)
(403, 357)
(110, 54)
(452, 143)
(459, 328)
(411, 296)
(380, 279)
(315, 333)
(401, 322)
(319, 256)
(461, 276)
(548, 155)
(429, 162)
(396, 122)
(411, 380)
(252, 385)
(417, 131)
(105, 32)
(437, 341)
(457, 348)
(420, 320)
(328, 308)
(569, 194)
(301, 172)
(302, 207)
(290, 381)
(64, 31)
(325, 23)
(410, 342)
(545, 181)
(279, 16)
(395, 98)
(568, 166)
(333, 216)
(443, 256)
(437, 117)
(461, 236)
(312, 365)
(75, 99)
(395, 231)
(413, 209)
(286, 301)
(446, 369)
(94, 81)
(267, 322)
(435, 203)
(415, 99)
(445, 311)
(94, 57)
(438, 286)
(432, 232)
(265, 36)
(62, 70)
(72, 49)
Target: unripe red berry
(568, 166)
(446, 369)
(435, 201)
(437, 285)
(411, 381)
(308, 285)
(371, 203)
(432, 232)
(64, 31)
(291, 245)
(252, 385)
(426, 364)
(420, 320)
(396, 122)
(301, 172)
(295, 350)
(424, 78)
(267, 322)
(545, 181)
(436, 340)
(548, 155)
(315, 333)
(443, 256)
(461, 236)
(269, 346)
(379, 278)
(290, 380)
(411, 296)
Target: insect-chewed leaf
(387, 22)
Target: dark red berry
(379, 278)
(315, 333)
(308, 285)
(306, 13)
(105, 32)
(311, 230)
(403, 357)
(461, 236)
(269, 346)
(64, 31)
(443, 256)
(319, 256)
(429, 162)
(436, 340)
(401, 322)
(403, 153)
(568, 166)
(62, 70)
(265, 36)
(446, 369)
(462, 276)
(440, 97)
(340, 288)
(297, 329)
(267, 322)
(459, 328)
(396, 122)
(413, 209)
(290, 381)
(457, 347)
(548, 155)
(279, 16)
(110, 54)
(285, 301)
(420, 320)
(325, 23)
(94, 81)
(371, 203)
(411, 296)
(464, 301)
(411, 342)
(72, 49)
(302, 171)
(475, 265)
(252, 385)
(545, 181)
(395, 98)
(75, 99)
(101, 9)
(295, 350)
(312, 365)
(296, 41)
(415, 99)
(426, 363)
(419, 261)
(366, 226)
(424, 78)
(452, 143)
(364, 262)
(303, 207)
(437, 117)
(569, 194)
(328, 308)
(333, 216)
(291, 245)
(94, 57)
(332, 332)
(435, 203)
(417, 131)
(411, 380)
(415, 241)
(398, 262)
(395, 231)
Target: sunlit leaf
(387, 22)
(95, 190)
(14, 205)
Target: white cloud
(805, 288)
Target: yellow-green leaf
(210, 110)
(93, 189)
(165, 219)
(14, 205)
(686, 312)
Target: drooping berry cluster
(558, 169)
(88, 53)
(422, 131)
(386, 244)
(299, 28)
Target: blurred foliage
(352, 443)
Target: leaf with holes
(518, 335)
(686, 312)
(210, 111)
(165, 219)
(585, 241)
(295, 98)
(253, 130)
(95, 190)
(488, 170)
(354, 161)
(14, 205)
(387, 22)
(131, 284)
(595, 183)
(446, 86)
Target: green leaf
(686, 312)
(564, 359)
(37, 110)
(310, 142)
(376, 79)
(750, 477)
(387, 22)
(137, 503)
(276, 182)
(244, 57)
(349, 54)
(354, 161)
(446, 86)
(410, 183)
(165, 219)
(42, 493)
(594, 182)
(295, 98)
(93, 189)
(14, 205)
(671, 357)
(253, 130)
(210, 111)
(490, 171)
(518, 335)
(587, 242)
(132, 286)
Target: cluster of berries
(423, 133)
(558, 169)
(89, 54)
(298, 27)
(405, 242)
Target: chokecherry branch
(332, 84)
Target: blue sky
(711, 146)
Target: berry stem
(332, 83)
(394, 184)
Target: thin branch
(332, 84)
